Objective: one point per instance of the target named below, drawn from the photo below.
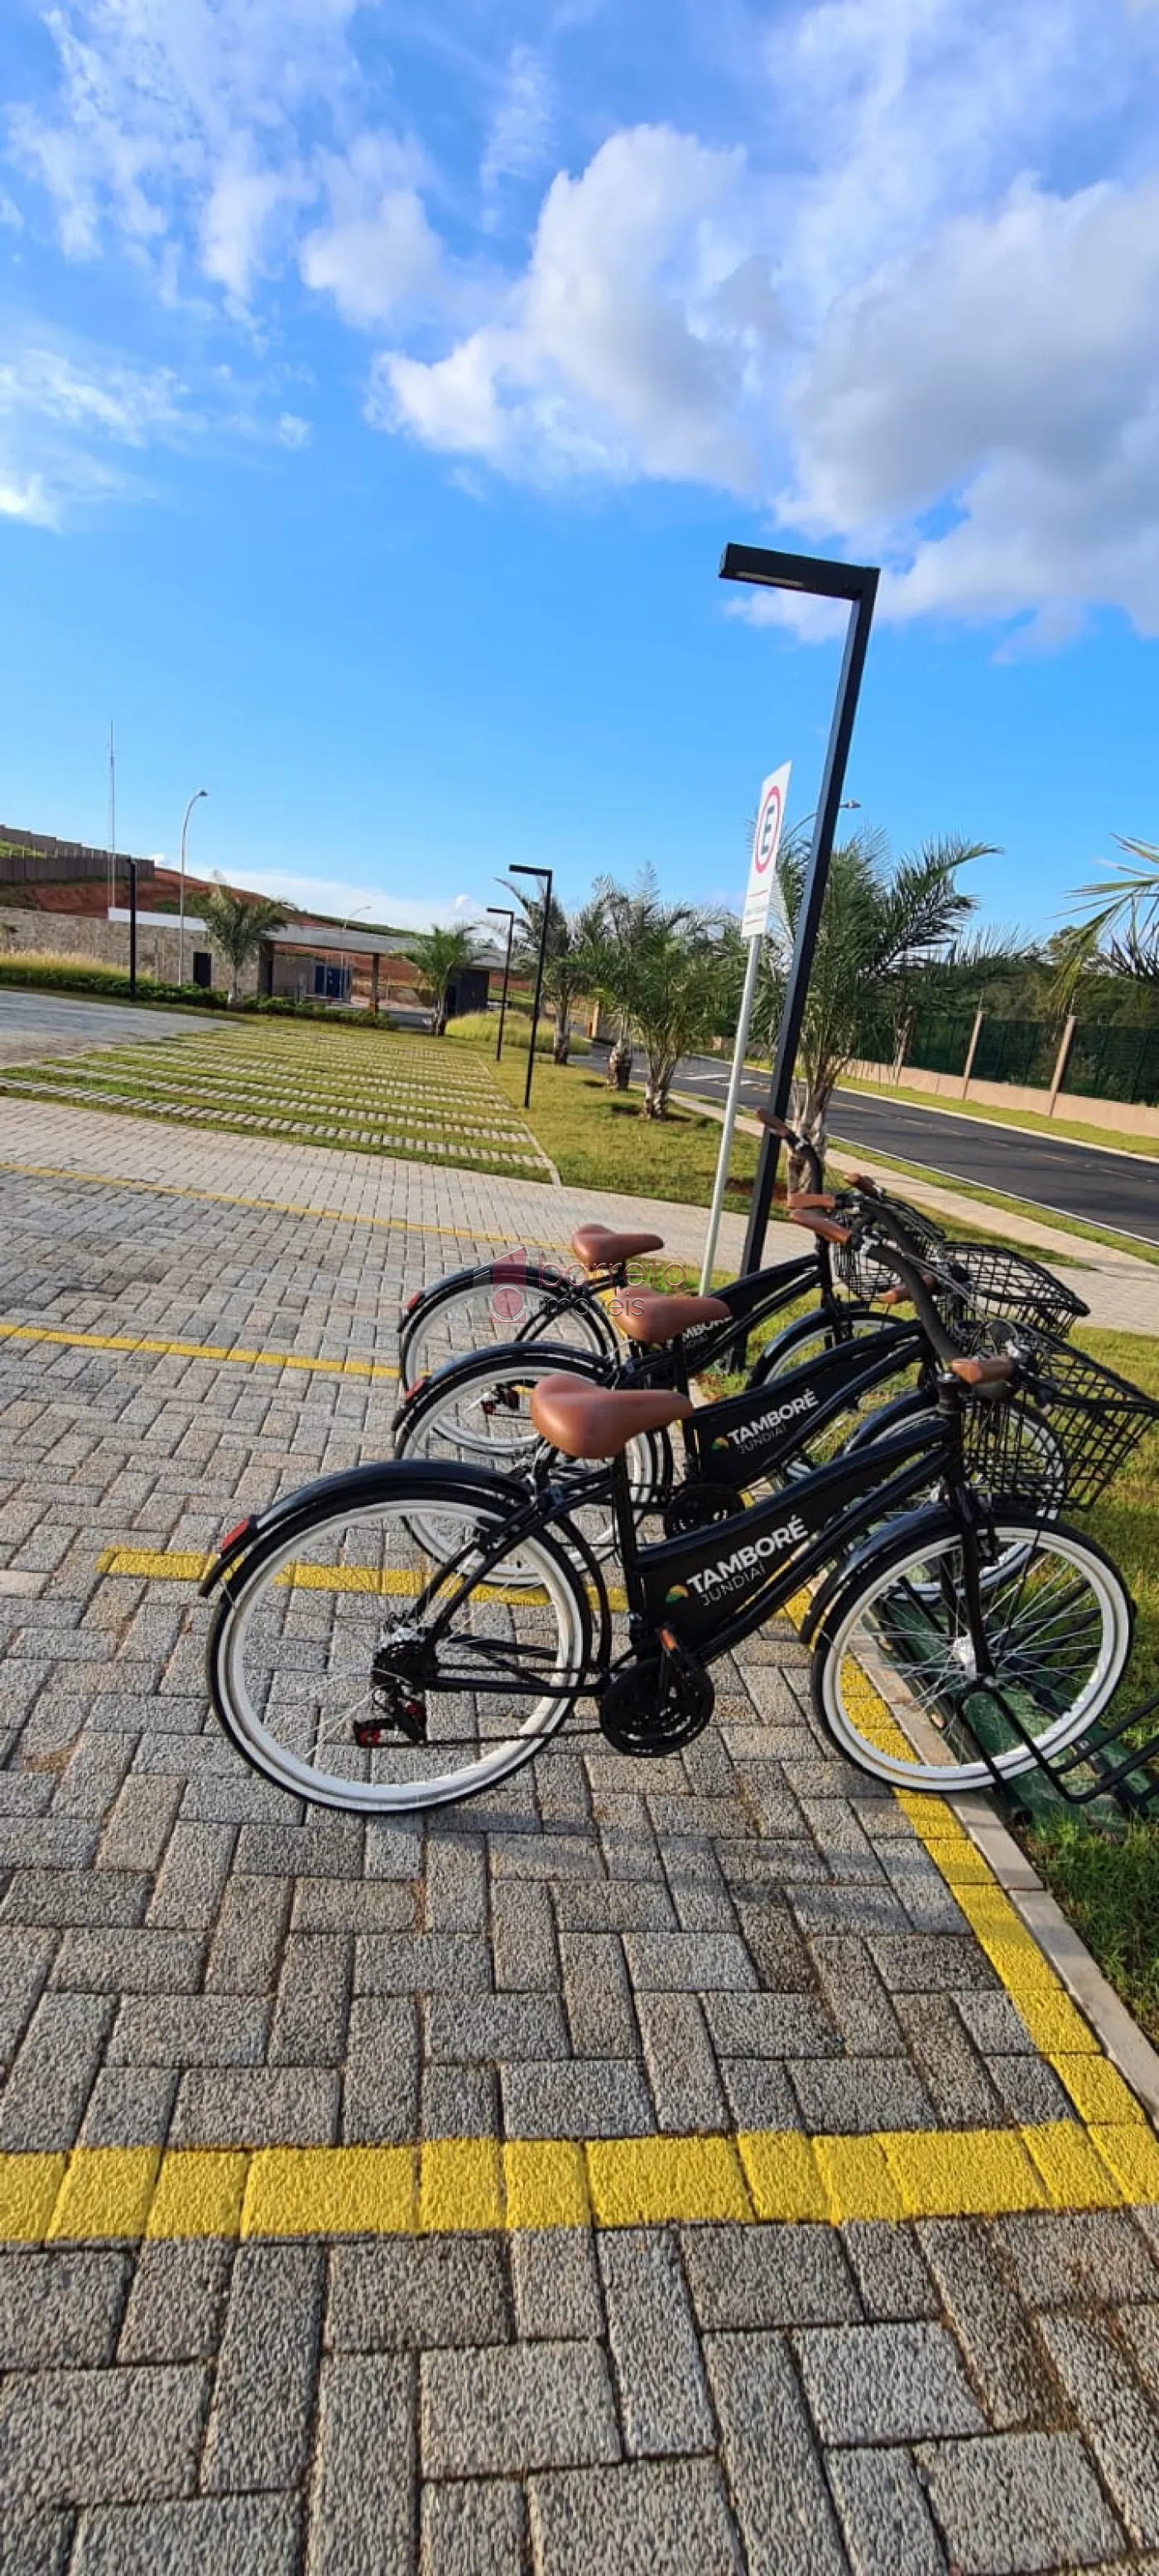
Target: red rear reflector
(669, 1642)
(238, 1531)
(412, 1302)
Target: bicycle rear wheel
(351, 1672)
(499, 1302)
(477, 1415)
(895, 1681)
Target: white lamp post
(194, 799)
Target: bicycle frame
(756, 1560)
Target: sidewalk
(656, 2169)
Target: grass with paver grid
(414, 1099)
(696, 1946)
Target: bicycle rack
(1132, 1780)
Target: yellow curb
(454, 2184)
(199, 2192)
(1097, 2090)
(1075, 2176)
(962, 2173)
(783, 2174)
(1132, 2152)
(857, 2179)
(460, 2185)
(546, 2183)
(289, 1207)
(642, 2181)
(219, 1352)
(1056, 2025)
(106, 2192)
(29, 2185)
(330, 2191)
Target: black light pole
(815, 578)
(502, 914)
(546, 874)
(132, 868)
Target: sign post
(762, 897)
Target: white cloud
(1005, 378)
(377, 253)
(633, 344)
(521, 127)
(28, 500)
(127, 404)
(340, 898)
(292, 430)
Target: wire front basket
(861, 1270)
(983, 1279)
(1070, 1419)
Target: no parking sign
(762, 885)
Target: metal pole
(863, 591)
(548, 877)
(501, 913)
(972, 1049)
(132, 865)
(731, 1105)
(194, 799)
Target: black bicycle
(520, 1298)
(968, 1640)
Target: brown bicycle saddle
(644, 1315)
(600, 1248)
(598, 1421)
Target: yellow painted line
(219, 1352)
(180, 1565)
(285, 1207)
(449, 2185)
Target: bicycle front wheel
(896, 1678)
(354, 1673)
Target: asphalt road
(1116, 1190)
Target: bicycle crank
(659, 1703)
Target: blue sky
(379, 386)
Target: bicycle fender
(474, 1274)
(358, 1487)
(935, 1524)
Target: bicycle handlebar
(800, 1145)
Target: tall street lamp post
(195, 799)
(546, 877)
(502, 913)
(814, 577)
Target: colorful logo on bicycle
(679, 1592)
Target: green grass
(481, 1028)
(1077, 1226)
(1106, 1876)
(1082, 1132)
(1109, 1887)
(600, 1139)
(414, 1098)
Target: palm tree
(569, 962)
(881, 924)
(238, 924)
(1121, 933)
(678, 980)
(627, 920)
(440, 955)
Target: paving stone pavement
(667, 2167)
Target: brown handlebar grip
(894, 1297)
(811, 1199)
(776, 1126)
(821, 1225)
(983, 1370)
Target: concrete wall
(95, 941)
(1124, 1117)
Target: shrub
(480, 1028)
(40, 971)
